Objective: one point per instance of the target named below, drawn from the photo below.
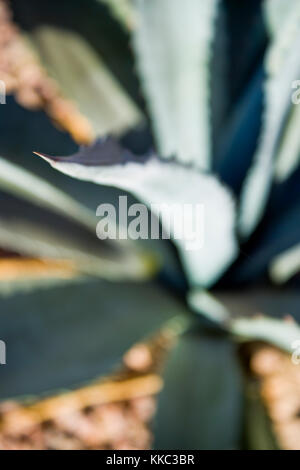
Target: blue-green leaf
(200, 406)
(172, 42)
(165, 187)
(61, 337)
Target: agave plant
(216, 126)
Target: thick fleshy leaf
(281, 333)
(166, 187)
(35, 131)
(84, 78)
(124, 11)
(282, 18)
(36, 232)
(16, 180)
(61, 337)
(242, 128)
(26, 78)
(258, 432)
(21, 229)
(268, 315)
(251, 302)
(246, 41)
(278, 13)
(201, 396)
(204, 303)
(284, 266)
(93, 21)
(275, 237)
(173, 48)
(282, 66)
(242, 82)
(288, 156)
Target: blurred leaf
(200, 406)
(246, 41)
(35, 131)
(124, 11)
(282, 66)
(277, 235)
(280, 333)
(30, 230)
(241, 128)
(84, 78)
(20, 182)
(93, 21)
(279, 14)
(259, 435)
(34, 239)
(145, 177)
(62, 337)
(288, 156)
(263, 300)
(286, 265)
(28, 81)
(172, 43)
(204, 303)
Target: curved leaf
(288, 156)
(62, 337)
(172, 43)
(200, 406)
(281, 333)
(124, 11)
(83, 77)
(18, 232)
(282, 64)
(145, 177)
(30, 187)
(284, 266)
(276, 237)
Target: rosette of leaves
(189, 102)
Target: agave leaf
(172, 43)
(202, 394)
(278, 13)
(84, 78)
(124, 11)
(251, 302)
(33, 239)
(145, 177)
(279, 325)
(281, 333)
(246, 32)
(93, 21)
(61, 337)
(70, 57)
(244, 127)
(35, 232)
(259, 433)
(284, 266)
(26, 185)
(203, 302)
(288, 156)
(27, 80)
(35, 130)
(277, 236)
(282, 66)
